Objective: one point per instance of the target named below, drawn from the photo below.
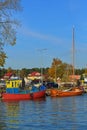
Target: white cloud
(29, 33)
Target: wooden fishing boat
(60, 93)
(13, 92)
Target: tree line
(57, 69)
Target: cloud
(37, 35)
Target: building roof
(35, 74)
(8, 75)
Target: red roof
(35, 74)
(8, 74)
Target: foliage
(80, 71)
(53, 70)
(23, 73)
(7, 25)
(2, 58)
(60, 70)
(3, 71)
(9, 70)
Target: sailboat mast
(73, 53)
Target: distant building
(34, 75)
(8, 75)
(74, 77)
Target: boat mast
(73, 54)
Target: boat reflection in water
(12, 114)
(51, 113)
(17, 112)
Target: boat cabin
(12, 86)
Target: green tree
(23, 73)
(7, 25)
(3, 71)
(2, 58)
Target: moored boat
(13, 92)
(23, 96)
(60, 93)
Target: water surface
(66, 113)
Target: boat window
(15, 84)
(12, 84)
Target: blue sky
(46, 33)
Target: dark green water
(69, 113)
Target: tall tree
(7, 25)
(53, 71)
(59, 69)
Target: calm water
(69, 113)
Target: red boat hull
(9, 96)
(40, 94)
(25, 96)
